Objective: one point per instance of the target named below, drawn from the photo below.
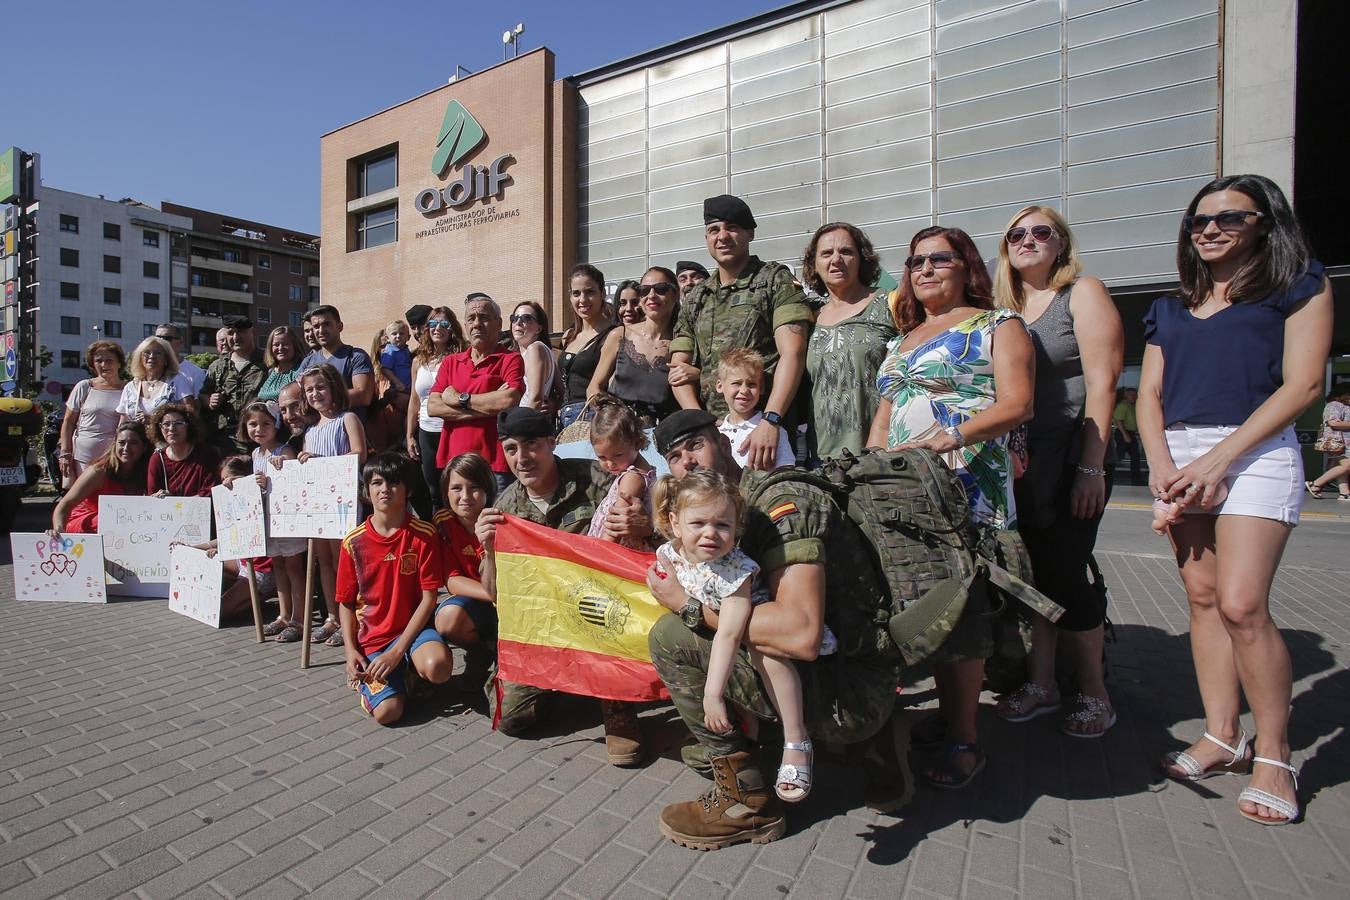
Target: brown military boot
(623, 738)
(739, 807)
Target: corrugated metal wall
(895, 114)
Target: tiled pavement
(142, 753)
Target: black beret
(476, 295)
(686, 265)
(523, 422)
(417, 315)
(726, 208)
(679, 425)
(238, 323)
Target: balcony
(312, 281)
(214, 293)
(219, 265)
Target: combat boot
(623, 737)
(740, 806)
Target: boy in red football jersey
(389, 570)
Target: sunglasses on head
(1228, 220)
(520, 318)
(1041, 233)
(661, 287)
(943, 259)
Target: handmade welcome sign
(240, 532)
(194, 584)
(315, 498)
(137, 532)
(66, 568)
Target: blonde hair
(671, 494)
(1067, 268)
(137, 364)
(741, 359)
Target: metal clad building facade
(897, 114)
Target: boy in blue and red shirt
(389, 571)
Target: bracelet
(1087, 470)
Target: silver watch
(955, 432)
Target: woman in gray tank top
(1079, 345)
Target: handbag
(579, 430)
(1333, 444)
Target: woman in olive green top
(849, 341)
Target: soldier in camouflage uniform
(232, 382)
(569, 490)
(814, 562)
(746, 303)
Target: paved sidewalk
(142, 753)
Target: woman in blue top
(1229, 363)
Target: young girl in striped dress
(337, 433)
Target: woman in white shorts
(1229, 363)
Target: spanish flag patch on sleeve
(782, 509)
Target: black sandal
(946, 776)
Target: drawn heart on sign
(64, 564)
(48, 567)
(175, 595)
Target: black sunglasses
(661, 287)
(943, 259)
(1041, 233)
(1228, 220)
(519, 318)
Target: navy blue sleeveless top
(1218, 370)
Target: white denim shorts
(1266, 482)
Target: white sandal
(797, 776)
(1240, 764)
(1265, 798)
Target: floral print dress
(945, 381)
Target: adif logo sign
(459, 137)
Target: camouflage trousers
(513, 708)
(845, 700)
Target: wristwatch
(774, 419)
(955, 432)
(464, 400)
(691, 614)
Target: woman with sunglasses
(529, 336)
(635, 360)
(1080, 345)
(581, 344)
(154, 382)
(1229, 362)
(184, 466)
(443, 336)
(956, 381)
(849, 340)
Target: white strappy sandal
(1265, 798)
(1240, 764)
(797, 776)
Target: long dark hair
(909, 313)
(456, 343)
(1279, 258)
(540, 316)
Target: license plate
(13, 475)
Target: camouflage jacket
(581, 487)
(240, 386)
(716, 317)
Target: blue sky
(220, 105)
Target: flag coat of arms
(574, 613)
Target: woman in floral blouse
(948, 385)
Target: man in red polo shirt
(472, 387)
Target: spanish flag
(573, 614)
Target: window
(112, 295)
(314, 294)
(264, 261)
(148, 330)
(378, 172)
(112, 231)
(296, 317)
(70, 324)
(70, 224)
(297, 267)
(263, 315)
(264, 288)
(377, 227)
(149, 300)
(314, 270)
(178, 303)
(198, 280)
(112, 328)
(70, 359)
(293, 292)
(112, 263)
(150, 269)
(70, 291)
(70, 257)
(230, 255)
(150, 238)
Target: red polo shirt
(460, 374)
